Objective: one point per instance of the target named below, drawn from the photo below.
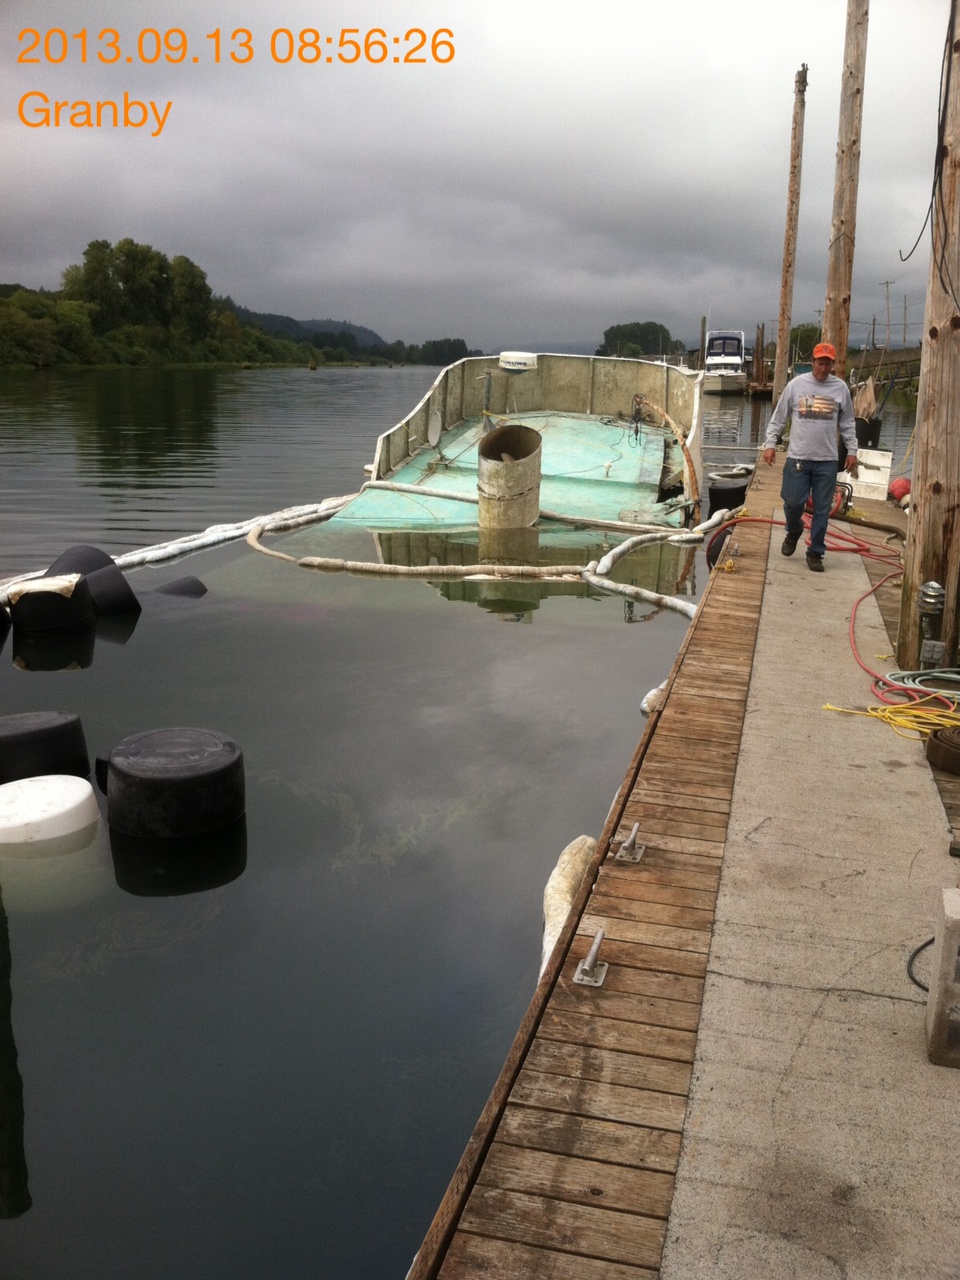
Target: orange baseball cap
(824, 351)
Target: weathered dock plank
(483, 1256)
(656, 959)
(605, 1234)
(603, 1101)
(568, 1134)
(625, 907)
(602, 1049)
(649, 889)
(578, 1181)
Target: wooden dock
(569, 1172)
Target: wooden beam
(843, 229)
(933, 533)
(790, 234)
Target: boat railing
(568, 383)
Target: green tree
(74, 321)
(94, 282)
(191, 299)
(803, 338)
(644, 338)
(443, 351)
(145, 282)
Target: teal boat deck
(591, 467)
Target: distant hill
(300, 330)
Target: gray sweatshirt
(815, 410)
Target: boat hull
(621, 441)
(724, 384)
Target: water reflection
(173, 867)
(40, 876)
(145, 422)
(14, 1193)
(122, 420)
(663, 567)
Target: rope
(908, 720)
(906, 708)
(594, 574)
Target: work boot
(789, 545)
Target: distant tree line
(130, 304)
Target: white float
(48, 807)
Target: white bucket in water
(508, 477)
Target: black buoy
(52, 605)
(81, 559)
(868, 432)
(66, 651)
(169, 783)
(34, 743)
(111, 592)
(189, 586)
(727, 493)
(109, 589)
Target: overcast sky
(574, 166)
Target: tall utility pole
(843, 229)
(759, 363)
(790, 235)
(887, 283)
(933, 534)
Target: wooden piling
(843, 229)
(790, 234)
(933, 540)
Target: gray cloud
(572, 168)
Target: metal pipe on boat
(508, 477)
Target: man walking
(817, 405)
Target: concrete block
(943, 999)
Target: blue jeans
(801, 478)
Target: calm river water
(276, 1073)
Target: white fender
(561, 889)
